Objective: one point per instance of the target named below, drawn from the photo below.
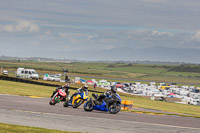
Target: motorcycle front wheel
(114, 108)
(77, 103)
(88, 106)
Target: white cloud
(196, 36)
(159, 34)
(148, 34)
(21, 26)
(156, 1)
(92, 36)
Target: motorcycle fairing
(101, 107)
(83, 97)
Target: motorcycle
(111, 104)
(76, 100)
(58, 96)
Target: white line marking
(154, 124)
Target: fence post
(1, 70)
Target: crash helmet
(114, 89)
(66, 85)
(107, 93)
(85, 87)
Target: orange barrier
(126, 105)
(78, 82)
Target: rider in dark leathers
(106, 96)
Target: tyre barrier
(126, 105)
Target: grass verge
(9, 128)
(157, 113)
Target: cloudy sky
(42, 27)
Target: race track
(37, 112)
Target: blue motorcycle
(108, 103)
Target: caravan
(27, 73)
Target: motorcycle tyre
(86, 105)
(52, 103)
(114, 112)
(65, 104)
(76, 105)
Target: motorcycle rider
(66, 87)
(108, 94)
(80, 90)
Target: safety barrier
(29, 81)
(126, 105)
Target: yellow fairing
(79, 98)
(85, 96)
(75, 97)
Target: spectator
(66, 78)
(95, 85)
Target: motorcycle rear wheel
(114, 108)
(77, 103)
(88, 106)
(65, 104)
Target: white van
(27, 73)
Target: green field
(158, 73)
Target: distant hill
(163, 54)
(153, 55)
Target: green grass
(111, 70)
(24, 89)
(144, 102)
(9, 128)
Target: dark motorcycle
(111, 104)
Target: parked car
(5, 72)
(194, 101)
(58, 75)
(51, 78)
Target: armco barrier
(25, 81)
(126, 105)
(36, 82)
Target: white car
(5, 72)
(52, 78)
(58, 75)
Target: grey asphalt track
(37, 112)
